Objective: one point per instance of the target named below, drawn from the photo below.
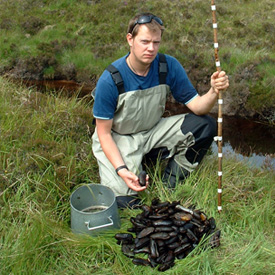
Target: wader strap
(117, 78)
(162, 68)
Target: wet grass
(45, 154)
(50, 38)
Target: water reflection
(247, 136)
(266, 161)
(248, 140)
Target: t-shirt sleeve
(181, 87)
(106, 95)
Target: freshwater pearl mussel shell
(165, 231)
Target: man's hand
(219, 81)
(132, 180)
(201, 105)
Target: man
(129, 122)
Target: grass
(45, 154)
(49, 36)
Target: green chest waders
(138, 128)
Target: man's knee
(203, 129)
(210, 126)
(200, 126)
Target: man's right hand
(132, 180)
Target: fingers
(132, 181)
(221, 74)
(215, 75)
(136, 187)
(145, 184)
(223, 81)
(219, 80)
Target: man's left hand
(219, 81)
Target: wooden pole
(220, 102)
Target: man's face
(145, 45)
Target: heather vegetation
(76, 40)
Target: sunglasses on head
(144, 19)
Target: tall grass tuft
(45, 154)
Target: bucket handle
(100, 226)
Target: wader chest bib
(138, 127)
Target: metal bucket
(93, 209)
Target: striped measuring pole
(218, 138)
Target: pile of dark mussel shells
(166, 231)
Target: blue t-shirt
(107, 93)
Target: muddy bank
(68, 87)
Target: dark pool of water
(250, 141)
(249, 136)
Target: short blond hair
(153, 25)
